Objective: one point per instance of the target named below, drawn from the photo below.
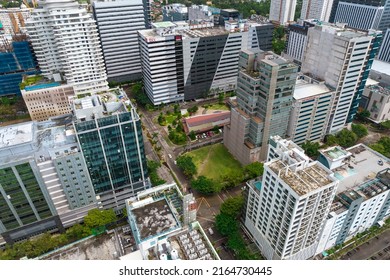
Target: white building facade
(66, 43)
(343, 66)
(287, 210)
(359, 16)
(118, 23)
(319, 9)
(282, 11)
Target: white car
(169, 155)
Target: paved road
(379, 248)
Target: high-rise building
(182, 61)
(265, 89)
(359, 16)
(110, 136)
(175, 12)
(297, 40)
(384, 52)
(66, 43)
(118, 23)
(360, 2)
(44, 98)
(14, 20)
(44, 182)
(287, 210)
(282, 11)
(319, 9)
(16, 59)
(310, 110)
(345, 66)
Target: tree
(226, 224)
(186, 164)
(232, 206)
(363, 115)
(385, 124)
(233, 178)
(360, 130)
(176, 109)
(346, 138)
(192, 110)
(77, 232)
(205, 185)
(161, 119)
(192, 135)
(330, 140)
(311, 148)
(382, 146)
(98, 218)
(253, 170)
(221, 96)
(216, 129)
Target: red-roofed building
(202, 123)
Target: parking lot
(208, 134)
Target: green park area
(215, 162)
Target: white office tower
(287, 210)
(318, 9)
(341, 57)
(118, 23)
(66, 42)
(359, 16)
(282, 11)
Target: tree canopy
(186, 164)
(253, 170)
(98, 218)
(232, 206)
(205, 185)
(360, 130)
(311, 148)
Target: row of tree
(227, 224)
(345, 138)
(47, 242)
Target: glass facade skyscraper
(112, 145)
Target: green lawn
(170, 119)
(214, 162)
(218, 106)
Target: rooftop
(163, 24)
(375, 88)
(335, 153)
(305, 89)
(303, 180)
(46, 139)
(362, 165)
(381, 67)
(153, 219)
(36, 82)
(16, 134)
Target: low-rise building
(164, 226)
(376, 99)
(363, 196)
(44, 98)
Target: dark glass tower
(111, 141)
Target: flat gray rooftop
(154, 219)
(362, 166)
(304, 89)
(16, 134)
